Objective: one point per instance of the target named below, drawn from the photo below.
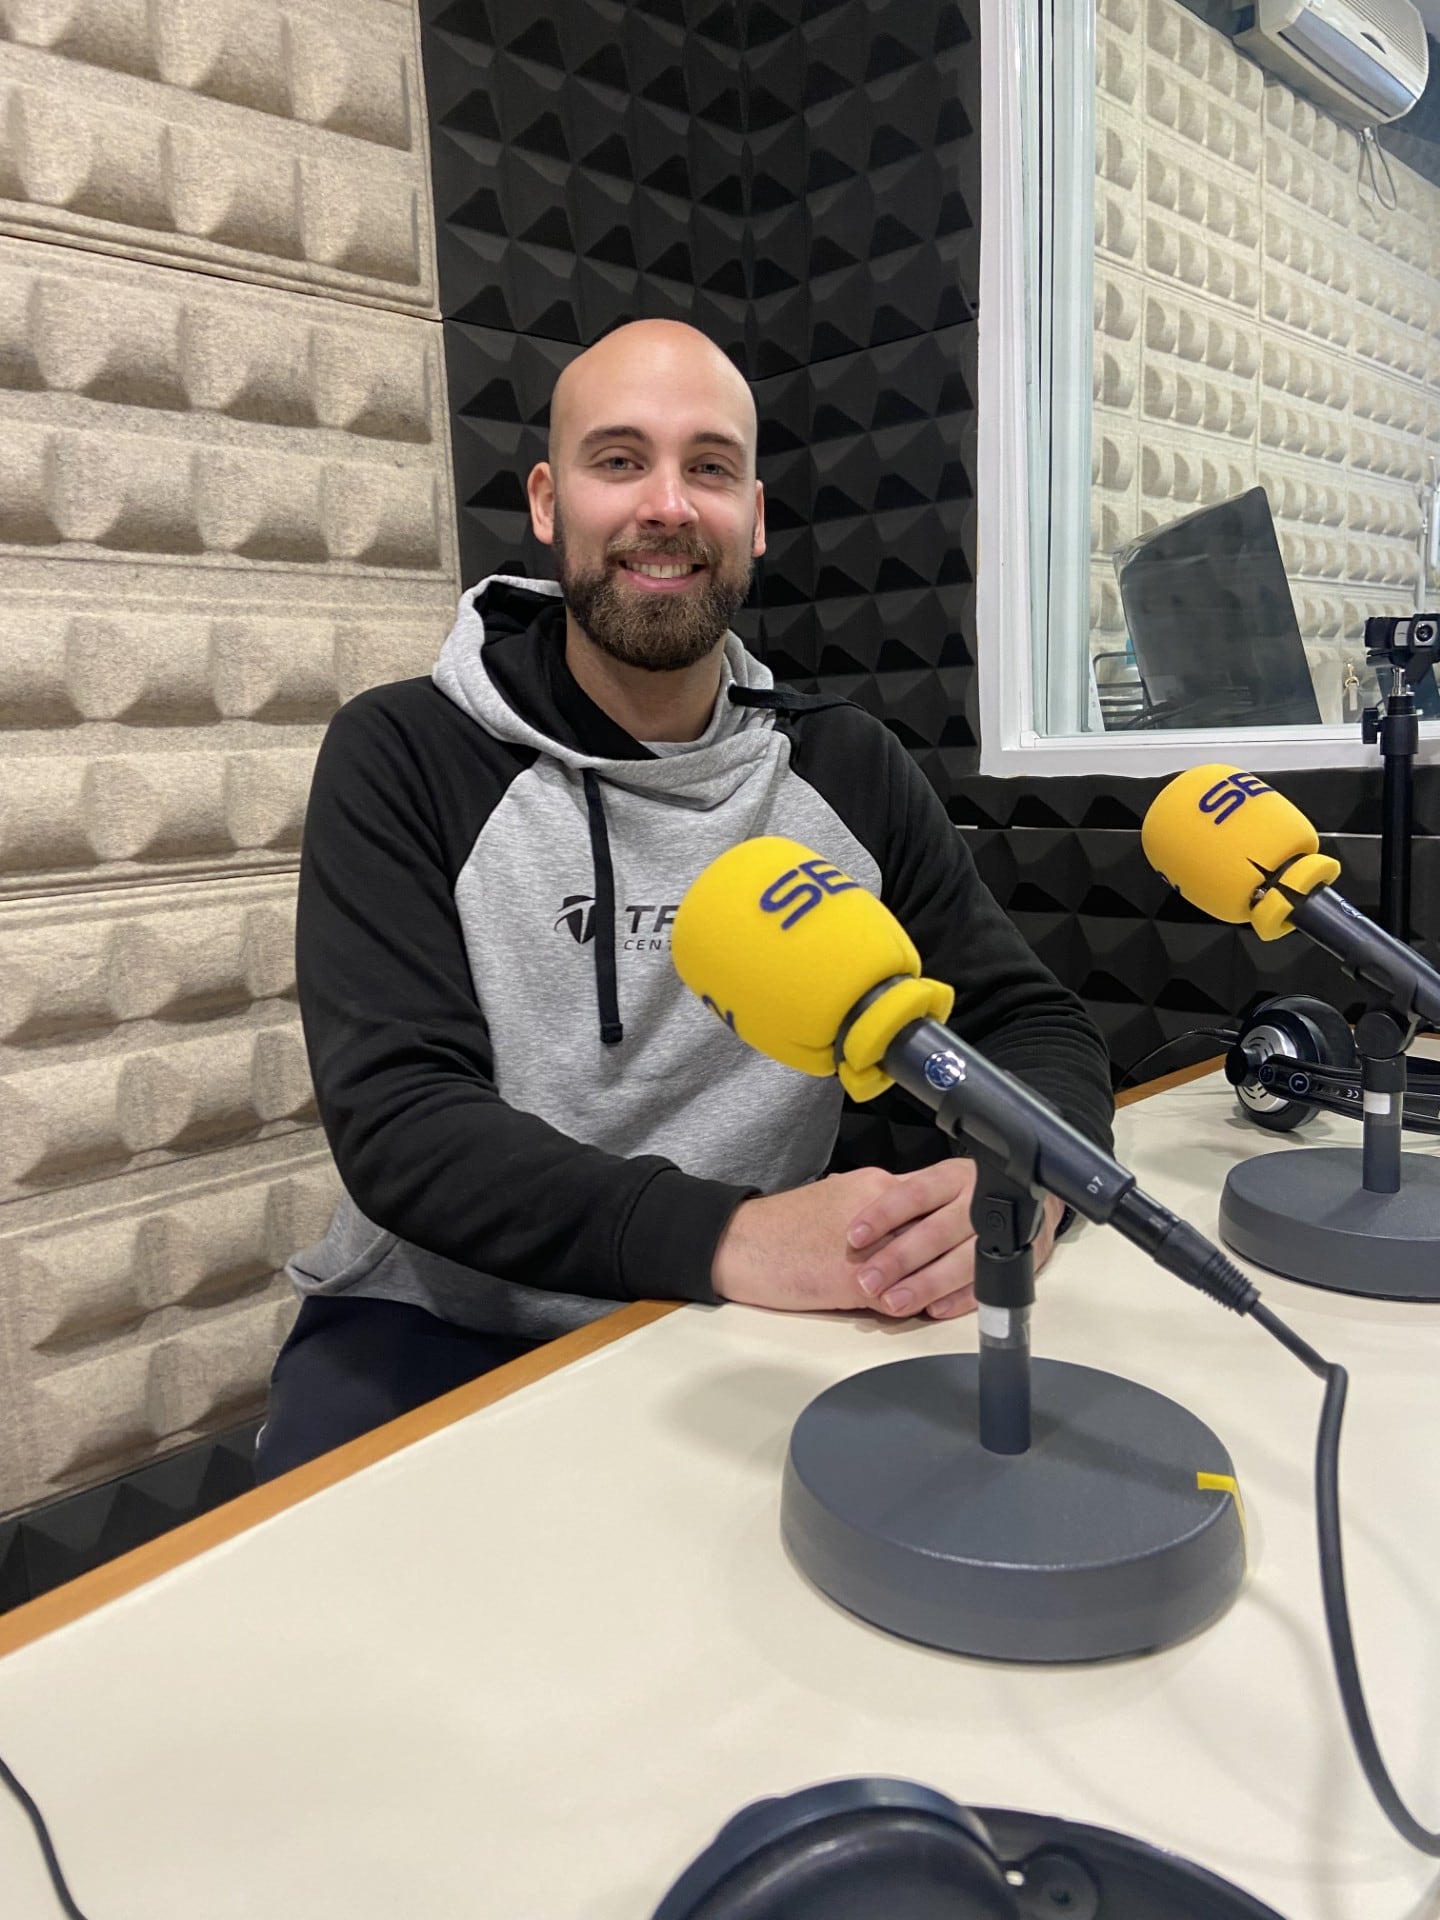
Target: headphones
(876, 1849)
(1295, 1056)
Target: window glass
(1234, 380)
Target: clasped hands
(901, 1244)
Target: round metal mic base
(1304, 1214)
(1103, 1539)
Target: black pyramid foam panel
(50, 1545)
(801, 181)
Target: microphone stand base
(1303, 1213)
(1101, 1540)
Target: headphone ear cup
(1293, 1026)
(892, 1861)
(848, 1850)
(1331, 1029)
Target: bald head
(662, 361)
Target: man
(532, 1117)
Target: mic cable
(1226, 1035)
(47, 1845)
(1332, 1583)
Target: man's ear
(757, 545)
(541, 489)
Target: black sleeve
(400, 1052)
(1007, 1002)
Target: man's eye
(615, 461)
(714, 467)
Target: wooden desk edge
(131, 1570)
(134, 1569)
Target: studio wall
(225, 505)
(800, 180)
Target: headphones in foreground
(875, 1849)
(1294, 1056)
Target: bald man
(532, 1118)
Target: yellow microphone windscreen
(1213, 832)
(781, 945)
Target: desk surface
(527, 1666)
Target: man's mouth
(662, 569)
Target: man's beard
(662, 632)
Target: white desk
(528, 1666)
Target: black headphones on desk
(1294, 1056)
(874, 1849)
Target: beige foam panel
(161, 414)
(143, 1313)
(138, 1027)
(275, 142)
(150, 736)
(1255, 323)
(102, 961)
(225, 508)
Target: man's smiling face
(649, 496)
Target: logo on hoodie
(646, 928)
(577, 912)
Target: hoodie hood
(503, 665)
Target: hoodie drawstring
(778, 700)
(606, 992)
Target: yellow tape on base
(1226, 1483)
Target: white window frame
(1014, 576)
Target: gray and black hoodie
(532, 1116)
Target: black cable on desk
(47, 1846)
(1332, 1585)
(1226, 1034)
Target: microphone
(919, 1495)
(811, 969)
(1241, 852)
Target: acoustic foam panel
(278, 142)
(800, 182)
(225, 506)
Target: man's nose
(665, 500)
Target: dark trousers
(351, 1365)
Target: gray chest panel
(679, 1084)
